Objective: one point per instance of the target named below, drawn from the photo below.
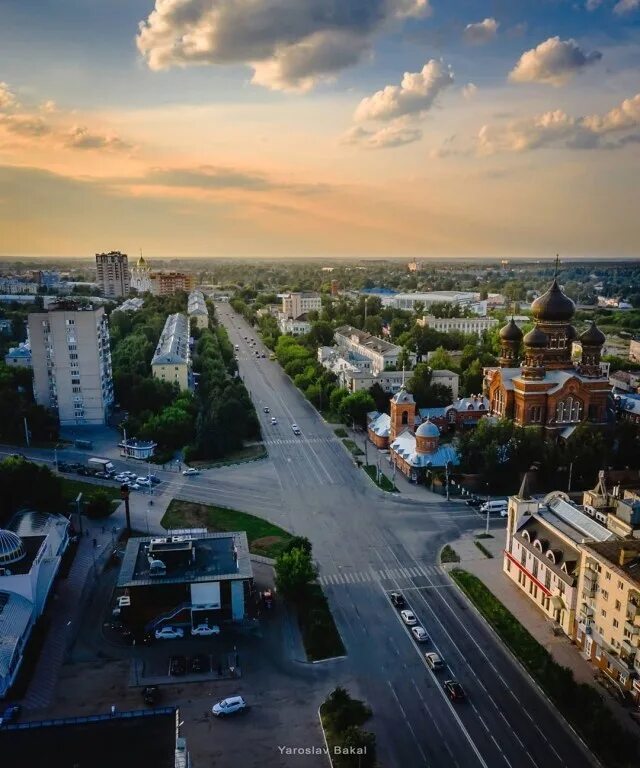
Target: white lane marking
(434, 722)
(406, 719)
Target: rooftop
(125, 740)
(189, 558)
(572, 521)
(367, 340)
(173, 345)
(15, 616)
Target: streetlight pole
(446, 473)
(486, 530)
(79, 511)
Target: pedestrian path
(381, 574)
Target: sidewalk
(489, 571)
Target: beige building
(168, 283)
(113, 273)
(171, 361)
(197, 309)
(381, 354)
(634, 350)
(475, 324)
(72, 362)
(296, 304)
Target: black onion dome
(571, 333)
(553, 305)
(593, 336)
(536, 338)
(511, 332)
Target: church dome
(141, 262)
(511, 332)
(427, 429)
(11, 547)
(571, 333)
(553, 305)
(536, 338)
(593, 336)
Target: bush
(99, 505)
(341, 432)
(342, 718)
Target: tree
(441, 360)
(356, 406)
(404, 360)
(321, 334)
(380, 397)
(99, 505)
(419, 383)
(294, 572)
(472, 378)
(336, 398)
(299, 542)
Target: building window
(568, 410)
(535, 413)
(604, 613)
(620, 584)
(607, 575)
(618, 605)
(616, 623)
(547, 579)
(605, 594)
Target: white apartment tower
(113, 273)
(72, 362)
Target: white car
(204, 630)
(143, 481)
(409, 618)
(274, 420)
(169, 633)
(419, 634)
(296, 429)
(190, 471)
(134, 487)
(229, 706)
(122, 478)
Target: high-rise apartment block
(113, 273)
(72, 362)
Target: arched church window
(405, 417)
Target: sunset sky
(320, 127)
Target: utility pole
(570, 474)
(26, 432)
(486, 530)
(79, 511)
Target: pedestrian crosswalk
(298, 440)
(380, 574)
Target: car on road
(155, 479)
(229, 706)
(190, 471)
(169, 633)
(274, 420)
(454, 690)
(434, 661)
(419, 634)
(408, 617)
(177, 665)
(263, 355)
(495, 506)
(204, 630)
(134, 487)
(122, 478)
(143, 481)
(397, 598)
(266, 410)
(296, 429)
(474, 502)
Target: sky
(319, 128)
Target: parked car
(190, 471)
(419, 634)
(434, 661)
(454, 690)
(155, 479)
(229, 706)
(408, 617)
(151, 695)
(169, 633)
(397, 598)
(263, 355)
(274, 420)
(474, 501)
(144, 481)
(204, 630)
(122, 478)
(495, 506)
(134, 486)
(177, 665)
(266, 410)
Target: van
(495, 505)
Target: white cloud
(48, 106)
(482, 31)
(290, 44)
(553, 62)
(80, 137)
(626, 6)
(7, 97)
(414, 96)
(555, 128)
(469, 90)
(396, 134)
(592, 5)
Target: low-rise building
(130, 305)
(382, 354)
(197, 309)
(294, 326)
(624, 381)
(31, 550)
(475, 324)
(168, 283)
(628, 408)
(461, 413)
(634, 350)
(19, 356)
(172, 360)
(468, 299)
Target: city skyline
(394, 128)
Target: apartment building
(171, 361)
(608, 629)
(294, 326)
(382, 354)
(475, 324)
(71, 361)
(113, 275)
(462, 298)
(197, 309)
(296, 304)
(168, 283)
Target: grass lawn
(71, 489)
(449, 555)
(319, 632)
(249, 453)
(483, 549)
(384, 483)
(264, 537)
(340, 432)
(351, 446)
(580, 703)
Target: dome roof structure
(571, 333)
(536, 338)
(553, 305)
(141, 262)
(593, 336)
(428, 429)
(11, 547)
(511, 332)
(403, 397)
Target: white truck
(102, 465)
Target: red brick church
(537, 382)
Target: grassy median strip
(320, 635)
(384, 483)
(352, 447)
(342, 718)
(483, 549)
(71, 489)
(248, 453)
(264, 537)
(579, 703)
(449, 555)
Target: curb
(331, 658)
(516, 660)
(324, 736)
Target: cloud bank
(553, 62)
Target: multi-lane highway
(368, 544)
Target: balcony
(633, 612)
(585, 627)
(633, 629)
(586, 611)
(628, 650)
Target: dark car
(151, 695)
(155, 479)
(11, 714)
(63, 467)
(398, 600)
(474, 501)
(454, 690)
(199, 663)
(177, 665)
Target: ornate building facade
(537, 382)
(141, 275)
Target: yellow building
(608, 628)
(197, 309)
(171, 361)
